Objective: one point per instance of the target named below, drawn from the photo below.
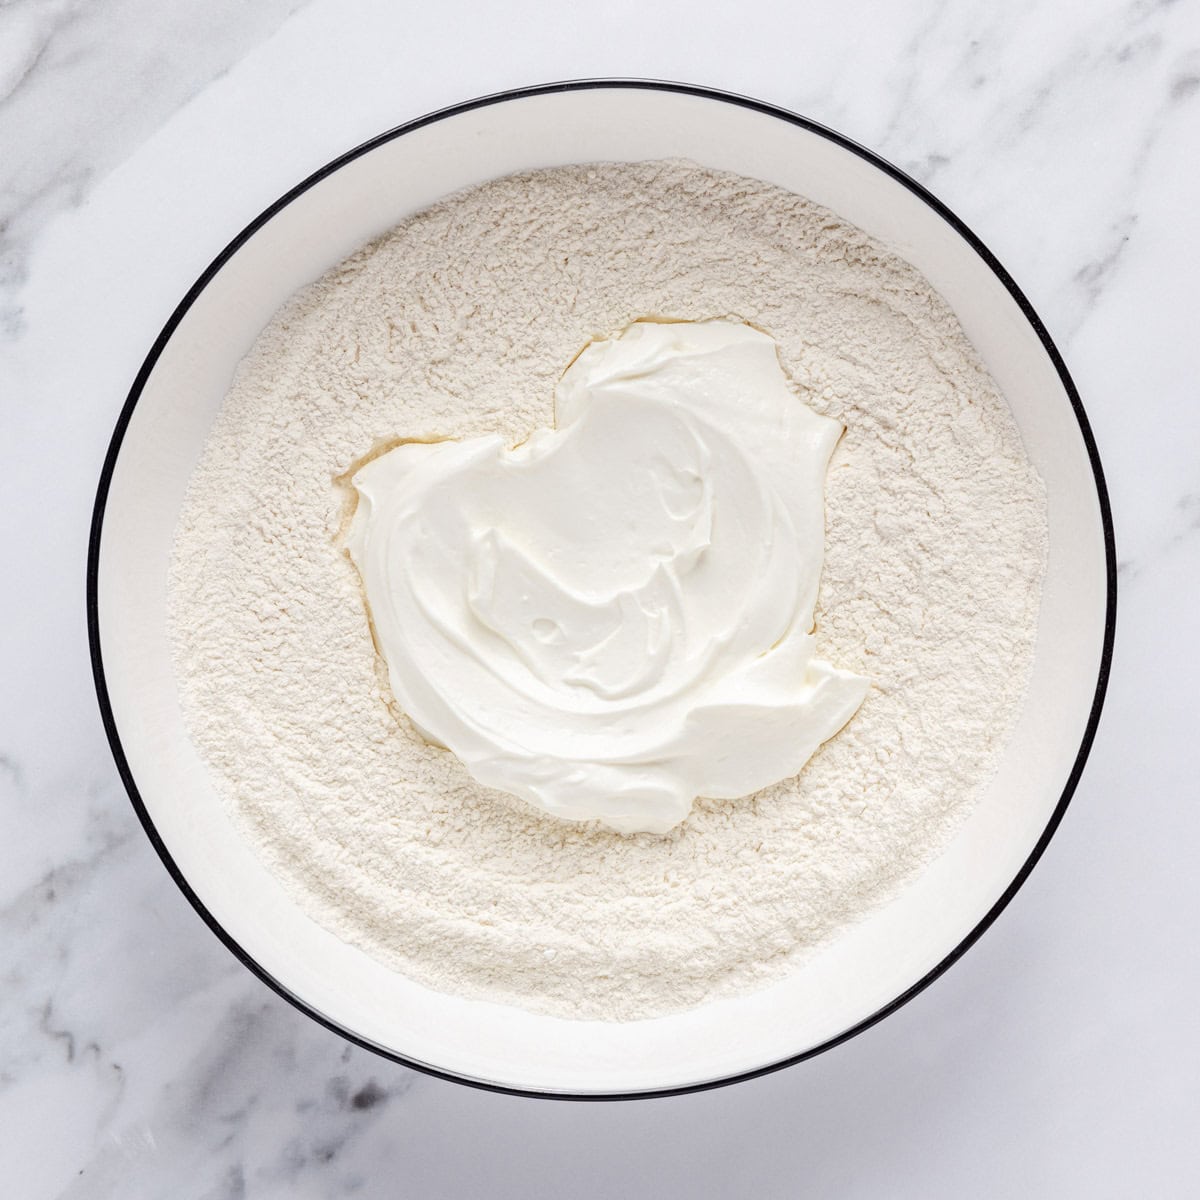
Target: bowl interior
(873, 963)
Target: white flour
(458, 323)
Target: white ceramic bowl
(876, 965)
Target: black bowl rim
(93, 565)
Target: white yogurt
(615, 616)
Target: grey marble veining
(1112, 76)
(83, 81)
(139, 1059)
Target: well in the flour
(615, 616)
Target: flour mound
(458, 323)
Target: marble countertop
(1060, 1057)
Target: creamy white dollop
(615, 616)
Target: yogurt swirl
(615, 616)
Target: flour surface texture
(458, 324)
